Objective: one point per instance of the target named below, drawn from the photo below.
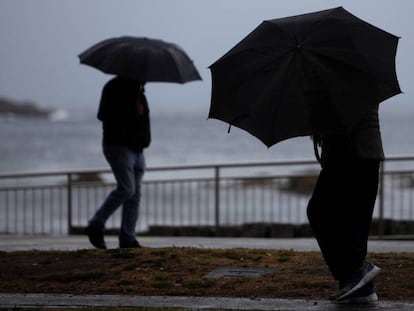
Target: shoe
(96, 236)
(133, 244)
(364, 295)
(357, 280)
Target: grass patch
(285, 256)
(122, 253)
(202, 283)
(181, 271)
(74, 276)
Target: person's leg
(324, 212)
(355, 238)
(130, 209)
(354, 216)
(122, 165)
(340, 213)
(365, 188)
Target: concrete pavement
(22, 242)
(189, 303)
(38, 242)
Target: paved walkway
(13, 243)
(192, 303)
(26, 242)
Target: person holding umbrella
(320, 74)
(341, 207)
(124, 114)
(125, 119)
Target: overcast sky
(40, 41)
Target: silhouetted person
(124, 113)
(341, 207)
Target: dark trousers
(340, 212)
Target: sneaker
(96, 236)
(358, 280)
(365, 295)
(133, 244)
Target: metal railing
(226, 195)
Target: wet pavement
(75, 242)
(22, 242)
(189, 303)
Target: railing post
(381, 201)
(217, 196)
(69, 202)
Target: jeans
(340, 212)
(128, 168)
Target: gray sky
(40, 41)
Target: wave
(58, 115)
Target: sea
(71, 140)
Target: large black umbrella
(263, 84)
(144, 59)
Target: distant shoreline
(23, 109)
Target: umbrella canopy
(264, 84)
(143, 59)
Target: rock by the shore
(22, 109)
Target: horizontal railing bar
(408, 157)
(159, 168)
(392, 158)
(177, 180)
(37, 187)
(224, 178)
(53, 173)
(233, 165)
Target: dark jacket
(363, 142)
(124, 113)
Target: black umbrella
(144, 59)
(263, 84)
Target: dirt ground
(182, 271)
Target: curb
(183, 302)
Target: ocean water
(72, 140)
